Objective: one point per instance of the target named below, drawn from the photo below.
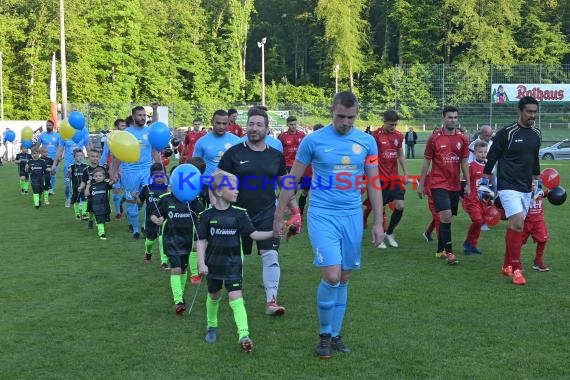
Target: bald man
(485, 134)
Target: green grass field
(72, 306)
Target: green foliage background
(203, 55)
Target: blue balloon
(76, 119)
(27, 144)
(10, 136)
(159, 135)
(185, 182)
(82, 135)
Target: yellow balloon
(27, 133)
(66, 131)
(124, 146)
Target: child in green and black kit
(36, 169)
(200, 164)
(150, 194)
(220, 256)
(97, 190)
(177, 220)
(75, 174)
(21, 160)
(94, 155)
(47, 178)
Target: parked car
(558, 151)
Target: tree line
(204, 55)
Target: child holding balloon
(475, 204)
(21, 160)
(177, 215)
(220, 255)
(47, 184)
(75, 174)
(150, 195)
(535, 226)
(36, 168)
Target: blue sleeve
(198, 149)
(304, 154)
(104, 155)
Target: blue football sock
(339, 308)
(326, 300)
(117, 203)
(133, 216)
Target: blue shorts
(133, 182)
(336, 239)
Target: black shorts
(178, 261)
(77, 197)
(215, 285)
(151, 230)
(102, 218)
(47, 184)
(262, 221)
(305, 183)
(445, 200)
(392, 191)
(89, 205)
(26, 175)
(37, 188)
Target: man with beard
(515, 149)
(447, 150)
(136, 174)
(212, 147)
(50, 140)
(259, 169)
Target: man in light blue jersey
(50, 140)
(212, 147)
(136, 175)
(65, 152)
(340, 155)
(106, 161)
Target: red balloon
(492, 215)
(165, 161)
(550, 178)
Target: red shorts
(537, 230)
(475, 209)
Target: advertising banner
(512, 92)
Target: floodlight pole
(63, 60)
(261, 44)
(336, 68)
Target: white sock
(271, 274)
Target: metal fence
(417, 92)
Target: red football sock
(507, 260)
(540, 247)
(473, 234)
(514, 242)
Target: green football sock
(148, 244)
(240, 316)
(193, 263)
(76, 209)
(26, 186)
(91, 217)
(83, 207)
(36, 199)
(212, 306)
(22, 182)
(46, 196)
(183, 280)
(175, 286)
(101, 228)
(163, 257)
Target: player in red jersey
(190, 140)
(535, 226)
(291, 139)
(473, 204)
(305, 184)
(390, 144)
(447, 151)
(233, 127)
